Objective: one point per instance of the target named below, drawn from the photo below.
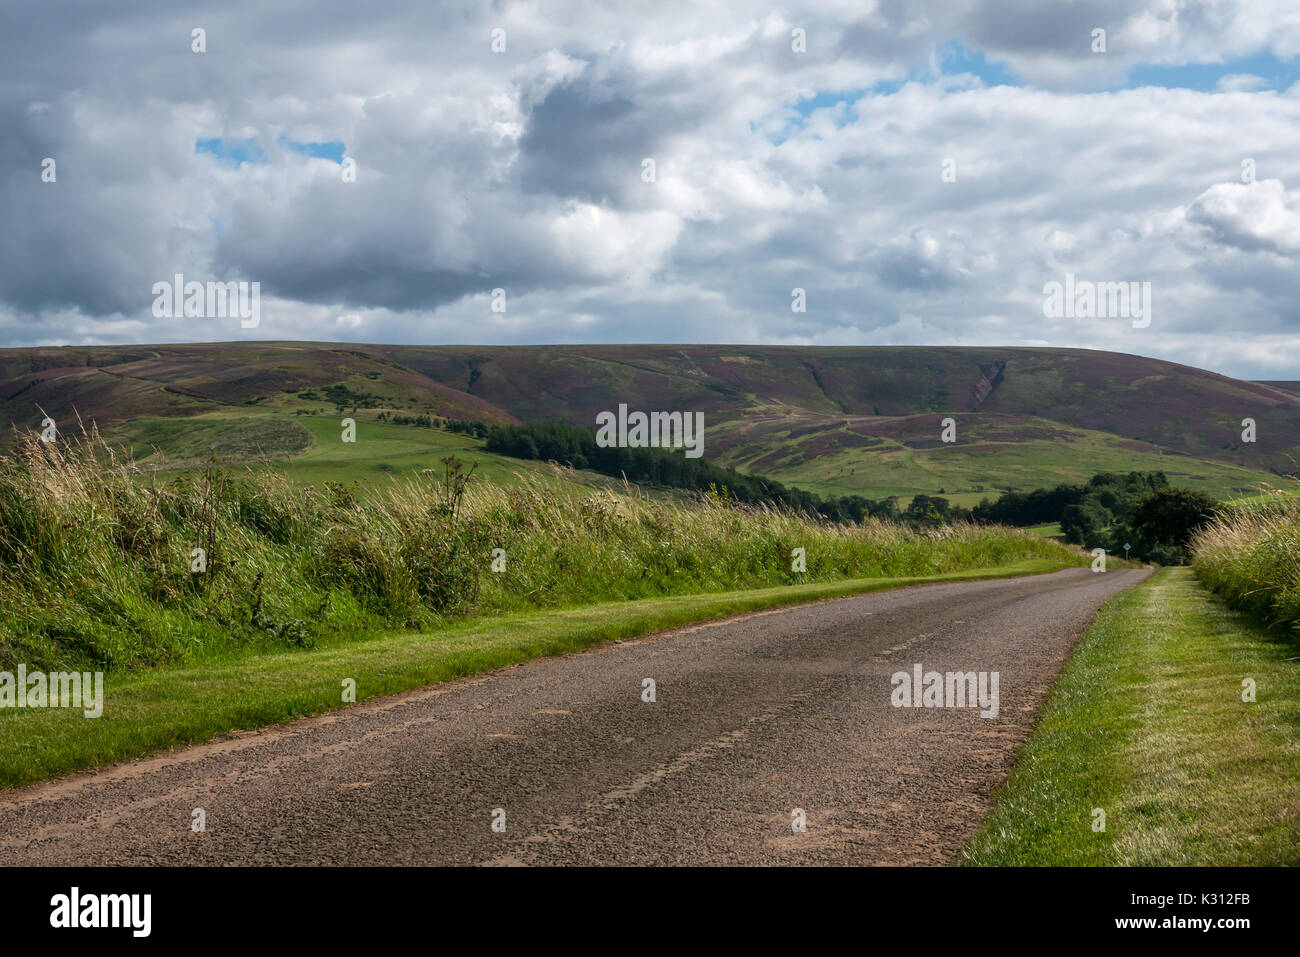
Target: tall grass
(97, 557)
(1250, 555)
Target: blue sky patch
(330, 150)
(1276, 74)
(952, 60)
(955, 59)
(826, 100)
(237, 152)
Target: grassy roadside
(165, 707)
(1248, 557)
(103, 568)
(1147, 722)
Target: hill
(836, 420)
(1292, 387)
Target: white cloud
(523, 170)
(1240, 83)
(1251, 216)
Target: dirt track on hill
(754, 717)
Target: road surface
(754, 718)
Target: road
(753, 718)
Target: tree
(1082, 523)
(927, 510)
(1169, 516)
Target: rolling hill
(1292, 387)
(839, 420)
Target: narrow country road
(754, 717)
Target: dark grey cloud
(582, 141)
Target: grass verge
(105, 568)
(1147, 723)
(1250, 556)
(165, 707)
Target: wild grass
(1250, 555)
(104, 564)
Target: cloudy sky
(1173, 157)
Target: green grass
(982, 469)
(167, 707)
(1268, 497)
(1147, 722)
(1051, 530)
(306, 584)
(309, 449)
(96, 573)
(383, 452)
(1250, 555)
(230, 435)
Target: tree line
(1110, 510)
(669, 468)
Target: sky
(920, 171)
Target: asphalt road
(753, 718)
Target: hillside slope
(1185, 410)
(833, 419)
